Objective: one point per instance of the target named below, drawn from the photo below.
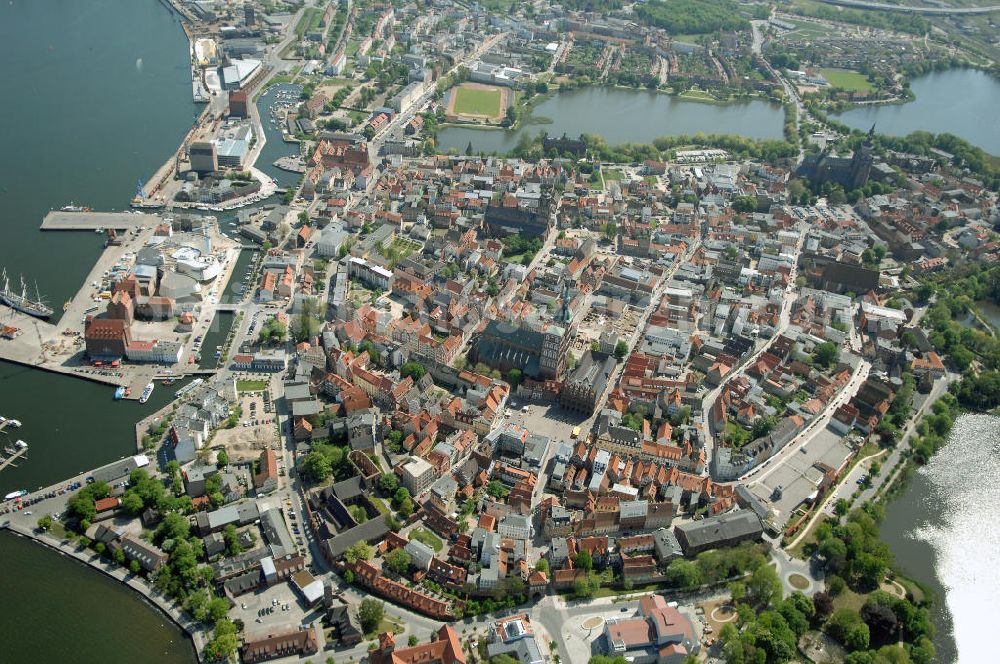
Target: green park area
(251, 385)
(477, 101)
(845, 79)
(807, 29)
(425, 536)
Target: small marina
(11, 451)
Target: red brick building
(106, 338)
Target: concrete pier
(58, 220)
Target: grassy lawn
(807, 30)
(379, 504)
(386, 626)
(698, 95)
(650, 179)
(477, 101)
(403, 247)
(798, 551)
(595, 179)
(309, 22)
(849, 600)
(250, 385)
(688, 39)
(357, 116)
(798, 581)
(613, 175)
(848, 80)
(427, 537)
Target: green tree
(583, 560)
(542, 565)
(826, 354)
(414, 370)
(223, 644)
(134, 566)
(763, 586)
(370, 613)
(388, 483)
(359, 551)
(514, 377)
(762, 426)
(683, 574)
(401, 494)
(196, 604)
(412, 640)
(222, 459)
(398, 560)
(497, 489)
(218, 608)
(45, 522)
(231, 537)
(621, 349)
(174, 526)
(132, 502)
(316, 467)
(846, 626)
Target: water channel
(624, 115)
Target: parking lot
(255, 431)
(269, 610)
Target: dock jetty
(58, 220)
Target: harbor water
(273, 97)
(98, 97)
(58, 610)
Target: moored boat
(119, 392)
(146, 392)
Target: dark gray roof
(348, 489)
(243, 583)
(369, 531)
(705, 533)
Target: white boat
(16, 494)
(144, 397)
(14, 423)
(21, 445)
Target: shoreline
(128, 580)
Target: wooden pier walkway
(9, 461)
